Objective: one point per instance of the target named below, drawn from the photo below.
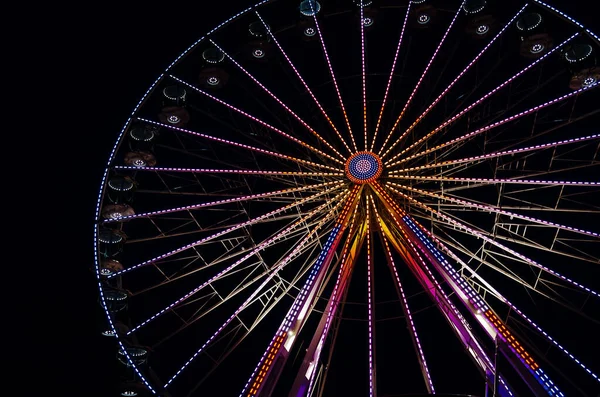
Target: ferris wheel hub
(363, 167)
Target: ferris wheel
(363, 198)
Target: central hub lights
(363, 167)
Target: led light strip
(483, 98)
(418, 120)
(223, 171)
(223, 232)
(281, 192)
(412, 94)
(494, 125)
(489, 208)
(308, 127)
(256, 119)
(265, 363)
(303, 82)
(494, 180)
(104, 179)
(364, 70)
(248, 301)
(335, 84)
(497, 154)
(389, 83)
(263, 245)
(249, 147)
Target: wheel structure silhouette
(360, 198)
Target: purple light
(389, 83)
(483, 98)
(412, 94)
(413, 125)
(300, 120)
(257, 120)
(304, 82)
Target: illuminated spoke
(222, 171)
(303, 82)
(371, 318)
(490, 208)
(282, 192)
(273, 273)
(286, 135)
(487, 181)
(491, 126)
(364, 70)
(389, 83)
(480, 100)
(296, 316)
(466, 229)
(335, 84)
(439, 98)
(241, 145)
(290, 111)
(414, 91)
(501, 153)
(226, 231)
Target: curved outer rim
(150, 89)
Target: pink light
(389, 83)
(278, 100)
(495, 180)
(413, 125)
(258, 120)
(412, 94)
(303, 82)
(412, 328)
(249, 300)
(483, 98)
(489, 208)
(498, 154)
(494, 125)
(220, 202)
(253, 148)
(461, 226)
(223, 232)
(335, 84)
(224, 171)
(370, 305)
(364, 70)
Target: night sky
(127, 48)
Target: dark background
(116, 51)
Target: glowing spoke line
(490, 208)
(303, 82)
(226, 231)
(492, 126)
(242, 145)
(296, 315)
(290, 111)
(405, 307)
(462, 227)
(277, 130)
(225, 171)
(494, 180)
(483, 98)
(498, 154)
(334, 300)
(364, 70)
(335, 84)
(439, 98)
(412, 94)
(549, 338)
(389, 83)
(273, 272)
(370, 292)
(569, 18)
(265, 244)
(281, 192)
